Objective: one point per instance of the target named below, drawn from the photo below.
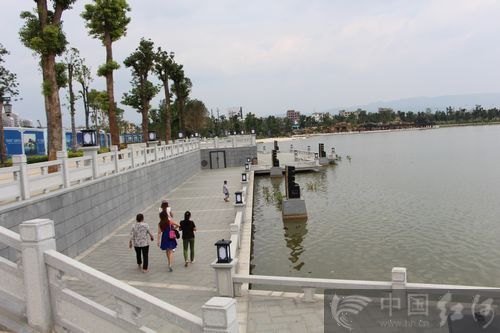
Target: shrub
(78, 153)
(36, 158)
(103, 150)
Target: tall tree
(98, 103)
(141, 62)
(8, 89)
(84, 77)
(164, 66)
(181, 88)
(72, 61)
(44, 35)
(196, 116)
(107, 20)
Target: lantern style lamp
(223, 251)
(152, 136)
(89, 138)
(239, 197)
(253, 131)
(7, 107)
(308, 148)
(181, 135)
(244, 177)
(247, 167)
(333, 150)
(234, 132)
(242, 132)
(248, 159)
(316, 156)
(196, 134)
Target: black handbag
(177, 234)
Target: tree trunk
(72, 107)
(145, 121)
(53, 107)
(168, 116)
(113, 126)
(182, 103)
(3, 149)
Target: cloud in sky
(269, 56)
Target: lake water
(427, 200)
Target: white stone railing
(49, 304)
(23, 181)
(309, 285)
(12, 293)
(229, 142)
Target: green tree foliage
(196, 116)
(163, 68)
(141, 63)
(181, 88)
(84, 78)
(72, 61)
(107, 21)
(8, 89)
(42, 32)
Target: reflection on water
(295, 230)
(425, 200)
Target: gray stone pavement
(186, 287)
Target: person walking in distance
(166, 232)
(140, 241)
(225, 191)
(188, 228)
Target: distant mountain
(468, 101)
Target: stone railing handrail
(229, 142)
(310, 282)
(138, 300)
(10, 238)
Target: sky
(271, 56)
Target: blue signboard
(13, 142)
(34, 143)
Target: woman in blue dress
(167, 236)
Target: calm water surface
(427, 200)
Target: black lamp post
(89, 138)
(181, 135)
(243, 177)
(239, 197)
(223, 251)
(152, 136)
(7, 107)
(247, 167)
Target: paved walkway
(186, 287)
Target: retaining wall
(235, 157)
(85, 214)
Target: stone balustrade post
(92, 152)
(37, 236)
(132, 160)
(21, 162)
(114, 150)
(399, 280)
(220, 315)
(145, 152)
(165, 151)
(224, 277)
(63, 156)
(233, 139)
